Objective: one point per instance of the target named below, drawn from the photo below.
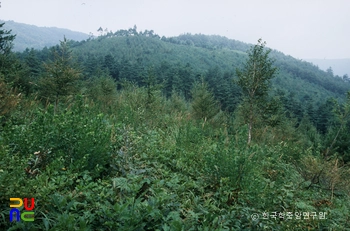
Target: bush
(79, 136)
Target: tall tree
(110, 65)
(184, 79)
(204, 105)
(8, 69)
(32, 62)
(254, 79)
(6, 39)
(7, 62)
(61, 75)
(103, 90)
(150, 81)
(342, 115)
(325, 116)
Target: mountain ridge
(31, 36)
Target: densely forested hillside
(30, 36)
(203, 53)
(181, 60)
(130, 131)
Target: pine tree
(204, 105)
(325, 117)
(342, 114)
(152, 87)
(8, 64)
(61, 77)
(6, 40)
(10, 72)
(33, 63)
(103, 90)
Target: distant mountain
(29, 36)
(339, 66)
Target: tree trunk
(250, 125)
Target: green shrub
(80, 136)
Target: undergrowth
(133, 169)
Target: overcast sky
(301, 28)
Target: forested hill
(216, 57)
(180, 61)
(30, 36)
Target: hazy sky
(301, 28)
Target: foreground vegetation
(98, 158)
